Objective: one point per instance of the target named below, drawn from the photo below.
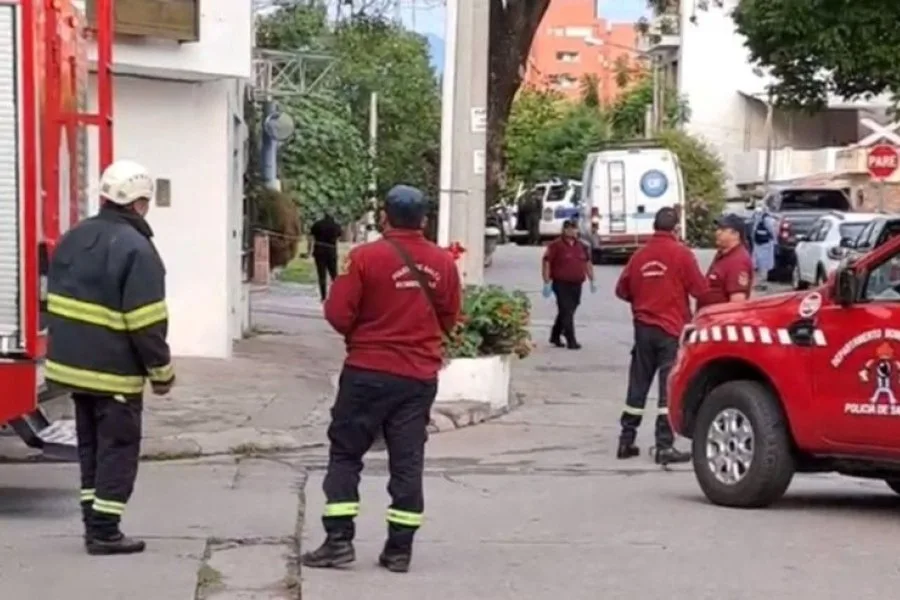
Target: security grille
(10, 315)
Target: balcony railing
(177, 20)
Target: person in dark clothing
(323, 246)
(566, 264)
(108, 324)
(396, 299)
(657, 282)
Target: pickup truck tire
(772, 464)
(894, 484)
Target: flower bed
(493, 329)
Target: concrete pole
(768, 127)
(468, 139)
(448, 121)
(371, 233)
(654, 62)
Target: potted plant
(479, 352)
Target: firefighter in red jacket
(391, 304)
(656, 282)
(730, 276)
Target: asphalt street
(535, 505)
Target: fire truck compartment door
(10, 315)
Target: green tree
(817, 47)
(376, 55)
(590, 90)
(628, 114)
(533, 112)
(326, 165)
(704, 184)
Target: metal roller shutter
(9, 180)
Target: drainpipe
(268, 150)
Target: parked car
(879, 231)
(795, 210)
(819, 253)
(560, 199)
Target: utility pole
(770, 114)
(464, 133)
(654, 62)
(371, 231)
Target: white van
(622, 188)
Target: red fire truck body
(43, 175)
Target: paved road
(534, 505)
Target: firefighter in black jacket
(107, 336)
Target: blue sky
(428, 15)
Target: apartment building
(573, 42)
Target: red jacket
(385, 318)
(568, 260)
(657, 282)
(731, 272)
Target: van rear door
(652, 182)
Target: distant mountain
(436, 50)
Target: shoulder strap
(420, 279)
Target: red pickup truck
(796, 382)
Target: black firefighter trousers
(109, 446)
(369, 403)
(653, 354)
(326, 266)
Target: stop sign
(882, 161)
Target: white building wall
(185, 132)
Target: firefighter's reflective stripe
(342, 509)
(93, 380)
(746, 334)
(87, 495)
(109, 507)
(161, 374)
(96, 314)
(662, 410)
(402, 517)
(631, 410)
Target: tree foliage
(376, 55)
(814, 48)
(326, 164)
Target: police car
(560, 200)
(795, 382)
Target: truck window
(575, 198)
(890, 230)
(814, 200)
(557, 193)
(883, 282)
(862, 242)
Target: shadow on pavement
(823, 502)
(34, 502)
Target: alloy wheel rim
(730, 446)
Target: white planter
(485, 379)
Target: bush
(278, 214)
(494, 321)
(704, 185)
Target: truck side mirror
(846, 286)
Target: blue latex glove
(547, 291)
(593, 287)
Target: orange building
(572, 42)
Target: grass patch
(303, 270)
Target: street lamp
(653, 118)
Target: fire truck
(792, 383)
(43, 184)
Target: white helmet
(125, 181)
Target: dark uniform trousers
(568, 297)
(653, 354)
(325, 258)
(369, 403)
(109, 446)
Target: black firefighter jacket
(107, 307)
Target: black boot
(397, 552)
(627, 450)
(573, 346)
(557, 342)
(337, 549)
(100, 545)
(87, 514)
(671, 456)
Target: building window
(567, 57)
(556, 31)
(578, 32)
(564, 81)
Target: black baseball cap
(570, 224)
(731, 221)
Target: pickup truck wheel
(741, 446)
(894, 484)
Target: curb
(294, 574)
